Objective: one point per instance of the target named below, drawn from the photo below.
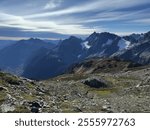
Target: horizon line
(15, 38)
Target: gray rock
(35, 106)
(96, 83)
(7, 108)
(1, 88)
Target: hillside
(124, 91)
(98, 65)
(14, 57)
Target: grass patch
(29, 97)
(29, 85)
(7, 78)
(2, 97)
(122, 81)
(127, 78)
(67, 107)
(71, 77)
(21, 109)
(1, 82)
(104, 92)
(12, 80)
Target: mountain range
(102, 73)
(37, 59)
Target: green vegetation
(122, 81)
(30, 86)
(29, 97)
(71, 77)
(103, 92)
(2, 97)
(21, 109)
(5, 78)
(65, 105)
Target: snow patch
(85, 45)
(109, 42)
(79, 56)
(123, 44)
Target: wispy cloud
(76, 17)
(142, 21)
(52, 4)
(127, 33)
(25, 38)
(8, 20)
(12, 38)
(95, 5)
(119, 15)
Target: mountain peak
(31, 38)
(73, 37)
(95, 34)
(34, 39)
(103, 37)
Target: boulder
(96, 83)
(35, 106)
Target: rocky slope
(140, 52)
(125, 90)
(98, 65)
(104, 44)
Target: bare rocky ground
(124, 91)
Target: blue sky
(56, 19)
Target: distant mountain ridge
(54, 62)
(40, 60)
(14, 57)
(6, 43)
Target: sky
(57, 19)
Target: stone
(34, 110)
(96, 83)
(35, 106)
(1, 88)
(106, 108)
(7, 108)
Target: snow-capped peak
(123, 44)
